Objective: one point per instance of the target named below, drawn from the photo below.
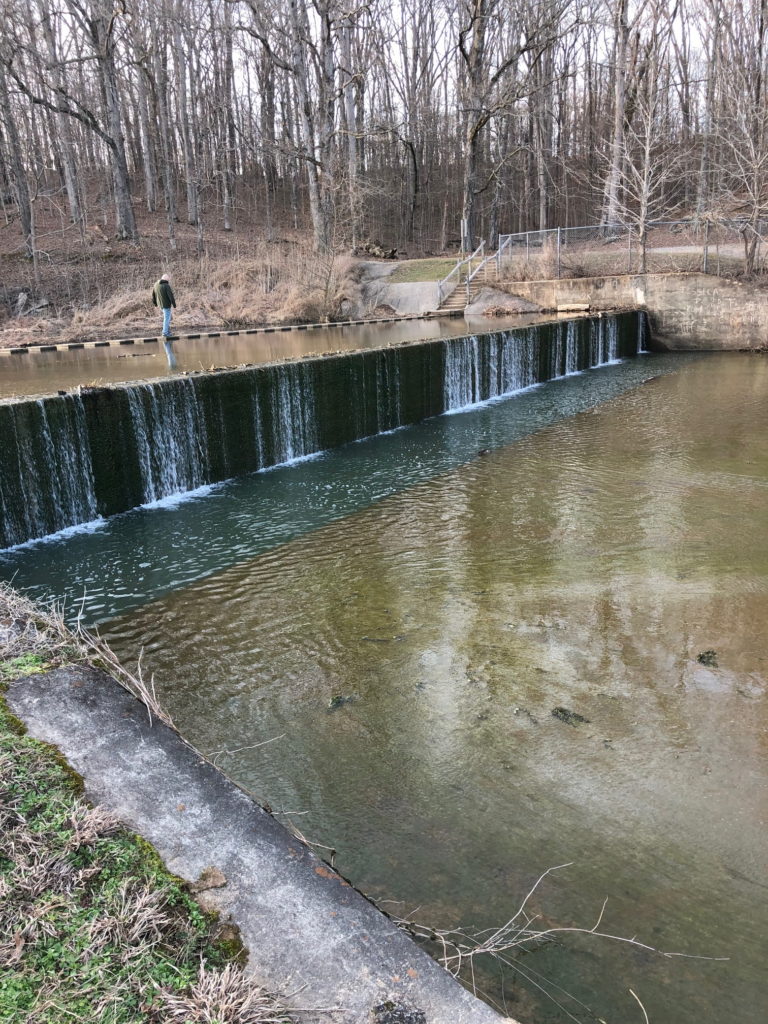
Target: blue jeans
(167, 322)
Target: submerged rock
(340, 699)
(570, 717)
(708, 658)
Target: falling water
(480, 368)
(67, 460)
(46, 474)
(169, 439)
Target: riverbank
(92, 925)
(267, 286)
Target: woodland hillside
(183, 133)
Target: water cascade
(68, 459)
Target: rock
(375, 248)
(569, 717)
(708, 658)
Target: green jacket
(162, 295)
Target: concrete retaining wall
(312, 939)
(688, 312)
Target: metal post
(706, 248)
(558, 252)
(629, 250)
(527, 246)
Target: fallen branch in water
(518, 933)
(460, 948)
(645, 1015)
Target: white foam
(293, 462)
(174, 500)
(68, 531)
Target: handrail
(479, 267)
(441, 293)
(502, 246)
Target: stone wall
(688, 312)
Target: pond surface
(615, 529)
(37, 373)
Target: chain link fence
(712, 247)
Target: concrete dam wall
(72, 458)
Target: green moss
(708, 658)
(24, 665)
(569, 717)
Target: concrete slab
(489, 298)
(313, 940)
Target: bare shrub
(350, 271)
(302, 307)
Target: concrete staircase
(458, 297)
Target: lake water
(374, 641)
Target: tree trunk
(18, 174)
(184, 116)
(610, 214)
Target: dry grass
(27, 630)
(576, 263)
(219, 997)
(270, 285)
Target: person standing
(163, 297)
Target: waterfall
(70, 459)
(294, 418)
(642, 332)
(571, 349)
(462, 372)
(610, 331)
(480, 368)
(167, 430)
(46, 474)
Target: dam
(380, 591)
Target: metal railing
(490, 258)
(471, 274)
(443, 289)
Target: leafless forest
(390, 119)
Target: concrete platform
(313, 940)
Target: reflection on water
(586, 566)
(37, 373)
